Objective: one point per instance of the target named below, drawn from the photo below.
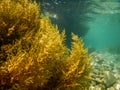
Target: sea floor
(106, 71)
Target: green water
(104, 31)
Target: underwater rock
(92, 88)
(117, 86)
(107, 73)
(109, 78)
(111, 88)
(100, 87)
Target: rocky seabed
(106, 71)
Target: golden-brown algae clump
(35, 55)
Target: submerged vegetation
(33, 54)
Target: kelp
(36, 55)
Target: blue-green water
(104, 31)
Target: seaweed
(36, 55)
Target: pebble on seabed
(117, 86)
